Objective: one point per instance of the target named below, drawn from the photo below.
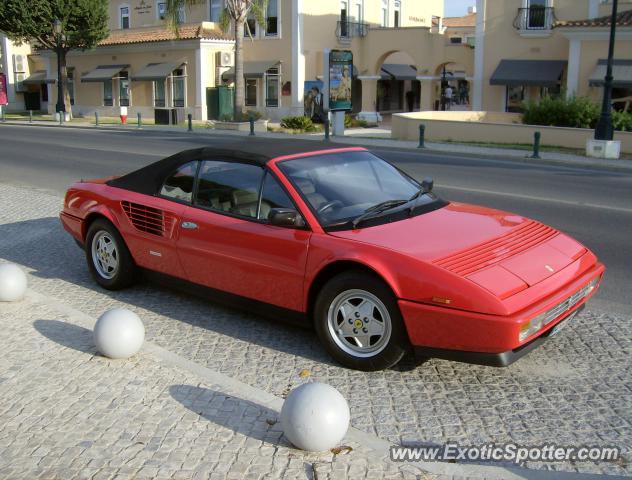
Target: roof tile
(191, 31)
(624, 19)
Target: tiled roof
(456, 22)
(624, 19)
(191, 31)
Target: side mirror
(285, 217)
(427, 184)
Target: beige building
(19, 65)
(398, 59)
(529, 48)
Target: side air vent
(521, 238)
(148, 219)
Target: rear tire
(358, 321)
(109, 259)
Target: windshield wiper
(376, 209)
(426, 187)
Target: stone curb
(379, 446)
(520, 156)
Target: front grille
(525, 236)
(565, 305)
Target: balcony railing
(351, 29)
(535, 18)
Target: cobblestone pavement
(69, 413)
(575, 390)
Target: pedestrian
(448, 97)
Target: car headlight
(536, 324)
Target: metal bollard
(326, 129)
(4, 119)
(422, 136)
(251, 119)
(536, 145)
(190, 118)
(30, 116)
(140, 121)
(61, 118)
(96, 119)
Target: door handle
(189, 225)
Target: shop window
(124, 89)
(272, 87)
(159, 93)
(178, 88)
(385, 13)
(216, 10)
(71, 86)
(251, 26)
(108, 93)
(162, 10)
(251, 92)
(272, 19)
(515, 98)
(124, 17)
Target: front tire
(358, 321)
(109, 260)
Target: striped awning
(38, 77)
(251, 69)
(621, 73)
(400, 71)
(537, 73)
(156, 71)
(103, 73)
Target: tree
(235, 12)
(84, 23)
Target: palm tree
(235, 13)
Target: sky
(457, 8)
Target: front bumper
(487, 339)
(501, 359)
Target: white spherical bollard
(315, 417)
(12, 283)
(119, 333)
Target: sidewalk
(380, 138)
(182, 408)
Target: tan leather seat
(308, 189)
(245, 203)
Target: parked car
(343, 240)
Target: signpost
(4, 100)
(338, 84)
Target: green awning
(621, 73)
(38, 77)
(156, 71)
(103, 73)
(539, 73)
(251, 69)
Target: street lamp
(604, 130)
(59, 38)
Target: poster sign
(340, 76)
(313, 100)
(4, 100)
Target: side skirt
(228, 299)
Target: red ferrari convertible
(342, 239)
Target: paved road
(594, 207)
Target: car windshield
(346, 186)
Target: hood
(501, 252)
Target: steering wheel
(329, 205)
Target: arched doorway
(452, 87)
(398, 89)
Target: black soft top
(148, 180)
